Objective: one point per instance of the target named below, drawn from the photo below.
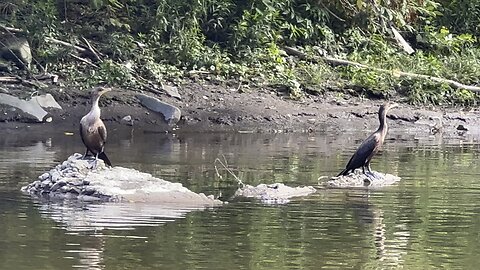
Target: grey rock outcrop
(277, 193)
(16, 50)
(90, 180)
(359, 180)
(170, 113)
(33, 107)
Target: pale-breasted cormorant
(92, 129)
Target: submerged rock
(76, 178)
(358, 179)
(274, 193)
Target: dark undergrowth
(144, 43)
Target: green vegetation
(146, 41)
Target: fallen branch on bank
(94, 52)
(335, 61)
(67, 44)
(12, 79)
(11, 29)
(84, 60)
(90, 51)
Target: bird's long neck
(95, 110)
(382, 117)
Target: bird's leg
(96, 160)
(86, 153)
(370, 171)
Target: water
(429, 220)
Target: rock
(114, 184)
(171, 91)
(16, 50)
(36, 184)
(47, 101)
(128, 120)
(358, 179)
(30, 107)
(44, 176)
(55, 176)
(170, 113)
(277, 193)
(88, 191)
(462, 127)
(57, 185)
(45, 183)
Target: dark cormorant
(371, 145)
(92, 129)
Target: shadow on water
(429, 220)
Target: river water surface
(429, 220)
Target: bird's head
(98, 91)
(387, 106)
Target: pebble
(64, 165)
(88, 191)
(55, 176)
(58, 185)
(45, 183)
(36, 184)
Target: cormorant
(92, 129)
(371, 145)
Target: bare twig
(335, 61)
(11, 29)
(84, 60)
(401, 41)
(329, 11)
(46, 76)
(64, 43)
(92, 50)
(12, 79)
(225, 166)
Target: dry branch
(401, 41)
(64, 43)
(335, 61)
(92, 50)
(11, 29)
(12, 79)
(84, 60)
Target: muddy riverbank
(212, 107)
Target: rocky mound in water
(358, 179)
(274, 193)
(76, 178)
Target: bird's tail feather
(104, 157)
(344, 172)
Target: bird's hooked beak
(105, 90)
(393, 105)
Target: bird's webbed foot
(93, 164)
(371, 176)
